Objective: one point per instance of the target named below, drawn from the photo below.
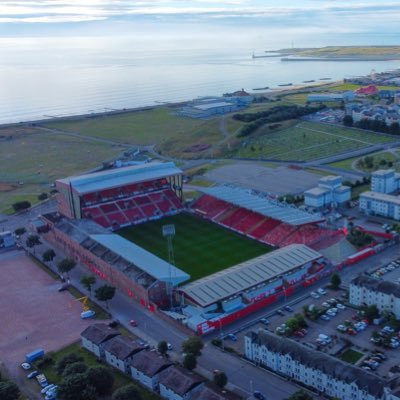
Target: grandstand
(123, 196)
(225, 296)
(260, 218)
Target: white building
(316, 369)
(94, 337)
(385, 181)
(177, 383)
(119, 351)
(329, 191)
(146, 367)
(375, 203)
(369, 291)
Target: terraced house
(317, 370)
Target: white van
(87, 314)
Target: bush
(21, 205)
(43, 196)
(75, 368)
(128, 392)
(101, 379)
(66, 360)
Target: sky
(166, 18)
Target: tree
(32, 241)
(348, 120)
(21, 205)
(66, 360)
(20, 231)
(101, 378)
(193, 345)
(371, 312)
(162, 347)
(300, 395)
(127, 392)
(189, 361)
(335, 281)
(48, 255)
(88, 281)
(43, 196)
(76, 387)
(9, 391)
(105, 293)
(220, 379)
(75, 368)
(66, 265)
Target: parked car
(133, 323)
(32, 374)
(341, 328)
(325, 304)
(321, 291)
(63, 287)
(232, 337)
(340, 306)
(288, 308)
(314, 295)
(325, 317)
(258, 395)
(48, 387)
(264, 321)
(169, 345)
(26, 366)
(280, 312)
(299, 334)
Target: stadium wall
(156, 293)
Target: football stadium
(205, 264)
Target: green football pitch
(200, 247)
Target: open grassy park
(32, 159)
(307, 141)
(200, 247)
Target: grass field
(200, 247)
(351, 356)
(307, 141)
(352, 86)
(37, 159)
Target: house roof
(250, 273)
(262, 205)
(99, 333)
(376, 285)
(180, 380)
(122, 347)
(318, 360)
(389, 198)
(149, 363)
(120, 176)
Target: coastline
(271, 91)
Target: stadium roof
(270, 208)
(248, 274)
(120, 176)
(151, 264)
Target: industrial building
(331, 97)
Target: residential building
(146, 367)
(364, 290)
(385, 181)
(328, 375)
(386, 205)
(94, 337)
(329, 191)
(211, 392)
(177, 383)
(119, 351)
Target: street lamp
(168, 232)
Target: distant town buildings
(331, 97)
(381, 200)
(364, 290)
(316, 369)
(329, 191)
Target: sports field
(308, 141)
(200, 247)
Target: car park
(26, 366)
